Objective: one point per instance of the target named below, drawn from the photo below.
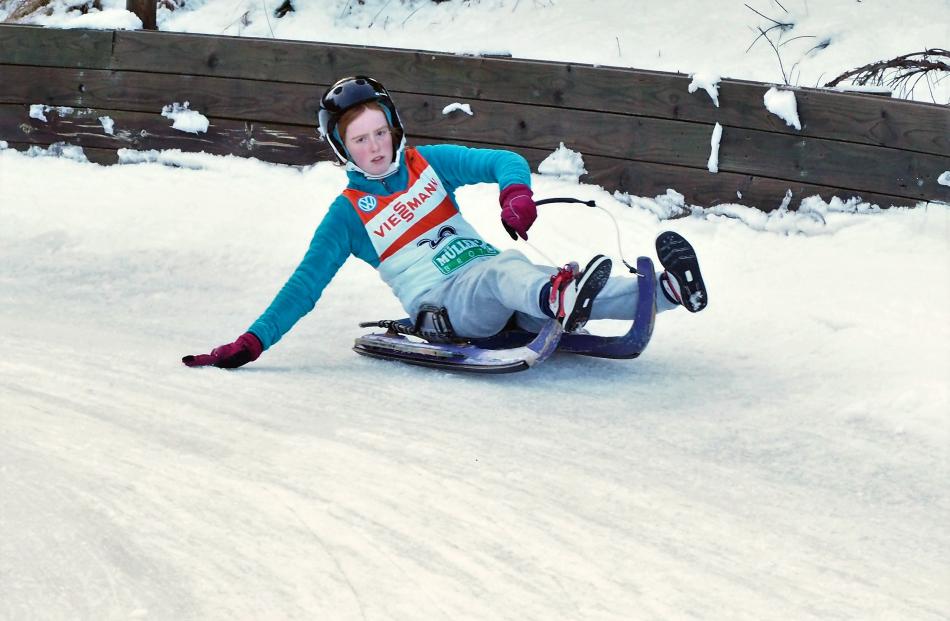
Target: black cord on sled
(566, 199)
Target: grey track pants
(481, 300)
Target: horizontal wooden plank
(700, 187)
(706, 189)
(53, 47)
(141, 131)
(106, 157)
(828, 163)
(295, 104)
(822, 162)
(651, 180)
(851, 117)
(147, 92)
(860, 168)
(865, 119)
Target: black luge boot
(682, 282)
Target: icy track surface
(783, 455)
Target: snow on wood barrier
(641, 132)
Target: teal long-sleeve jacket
(341, 233)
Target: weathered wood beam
(147, 11)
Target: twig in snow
(799, 37)
(783, 26)
(267, 17)
(411, 14)
(241, 18)
(822, 45)
(763, 33)
(781, 65)
(791, 74)
(373, 21)
(777, 23)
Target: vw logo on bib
(367, 203)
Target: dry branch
(27, 7)
(898, 72)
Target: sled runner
(430, 341)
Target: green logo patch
(460, 252)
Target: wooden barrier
(146, 10)
(640, 132)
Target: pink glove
(247, 348)
(518, 211)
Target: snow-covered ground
(782, 455)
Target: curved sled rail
(462, 356)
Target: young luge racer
(399, 214)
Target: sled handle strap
(546, 201)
